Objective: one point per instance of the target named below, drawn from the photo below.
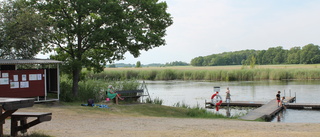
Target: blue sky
(205, 27)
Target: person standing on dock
(228, 96)
(278, 99)
(283, 103)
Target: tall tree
(23, 32)
(138, 65)
(274, 55)
(198, 61)
(309, 54)
(280, 55)
(90, 33)
(252, 61)
(294, 55)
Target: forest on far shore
(308, 54)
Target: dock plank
(244, 103)
(263, 112)
(240, 104)
(266, 111)
(303, 106)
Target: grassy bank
(145, 109)
(215, 73)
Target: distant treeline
(309, 54)
(123, 65)
(177, 63)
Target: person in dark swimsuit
(278, 99)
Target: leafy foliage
(309, 54)
(92, 88)
(24, 33)
(177, 63)
(90, 33)
(138, 65)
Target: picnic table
(9, 106)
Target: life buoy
(216, 100)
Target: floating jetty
(239, 104)
(303, 106)
(265, 110)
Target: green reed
(246, 74)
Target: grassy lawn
(141, 110)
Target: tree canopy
(90, 33)
(23, 32)
(309, 54)
(177, 63)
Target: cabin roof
(28, 61)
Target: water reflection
(298, 116)
(280, 115)
(228, 111)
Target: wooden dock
(266, 111)
(239, 104)
(303, 106)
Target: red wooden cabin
(30, 78)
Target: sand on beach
(69, 123)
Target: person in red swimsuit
(278, 99)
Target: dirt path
(79, 123)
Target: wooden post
(295, 96)
(14, 123)
(23, 121)
(1, 123)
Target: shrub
(155, 101)
(92, 89)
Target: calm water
(195, 93)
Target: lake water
(195, 93)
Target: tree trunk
(75, 86)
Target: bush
(156, 101)
(92, 89)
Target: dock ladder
(145, 89)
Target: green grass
(147, 110)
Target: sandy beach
(81, 123)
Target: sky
(205, 27)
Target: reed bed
(221, 73)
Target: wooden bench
(23, 116)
